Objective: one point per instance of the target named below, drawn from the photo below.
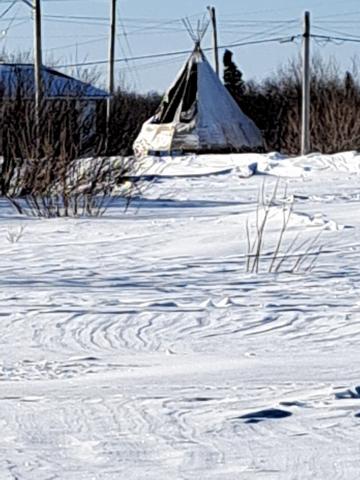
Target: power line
(242, 22)
(142, 26)
(10, 25)
(78, 44)
(270, 31)
(8, 9)
(329, 30)
(132, 69)
(337, 15)
(339, 39)
(182, 52)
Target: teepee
(197, 114)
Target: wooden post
(305, 110)
(37, 64)
(111, 79)
(215, 38)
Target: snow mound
(247, 164)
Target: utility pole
(215, 38)
(37, 63)
(111, 79)
(305, 107)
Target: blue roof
(18, 79)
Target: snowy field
(136, 346)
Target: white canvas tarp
(220, 121)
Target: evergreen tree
(233, 80)
(349, 84)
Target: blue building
(17, 89)
(19, 79)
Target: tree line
(39, 161)
(274, 104)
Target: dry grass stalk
(255, 238)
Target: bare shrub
(42, 174)
(129, 112)
(275, 106)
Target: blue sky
(154, 26)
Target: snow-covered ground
(136, 346)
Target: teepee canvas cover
(197, 114)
